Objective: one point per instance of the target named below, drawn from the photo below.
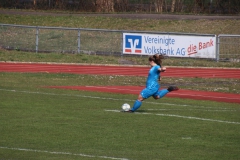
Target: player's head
(156, 58)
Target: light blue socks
(136, 105)
(162, 93)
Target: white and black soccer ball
(126, 107)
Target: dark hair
(157, 58)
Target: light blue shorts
(148, 92)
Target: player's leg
(163, 92)
(137, 104)
(160, 94)
(145, 93)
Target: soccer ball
(126, 107)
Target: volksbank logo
(133, 44)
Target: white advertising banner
(170, 45)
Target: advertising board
(170, 45)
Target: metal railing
(59, 39)
(228, 48)
(92, 41)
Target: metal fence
(228, 48)
(92, 41)
(60, 40)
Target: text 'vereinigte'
(158, 40)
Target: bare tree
(120, 5)
(199, 4)
(177, 6)
(104, 5)
(158, 4)
(173, 5)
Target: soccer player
(152, 85)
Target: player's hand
(163, 69)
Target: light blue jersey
(152, 84)
(152, 80)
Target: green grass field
(228, 26)
(39, 123)
(42, 123)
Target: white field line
(204, 96)
(62, 153)
(178, 116)
(207, 110)
(151, 102)
(182, 105)
(114, 99)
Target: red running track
(133, 71)
(118, 70)
(198, 95)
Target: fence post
(37, 31)
(217, 48)
(78, 41)
(122, 45)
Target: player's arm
(162, 69)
